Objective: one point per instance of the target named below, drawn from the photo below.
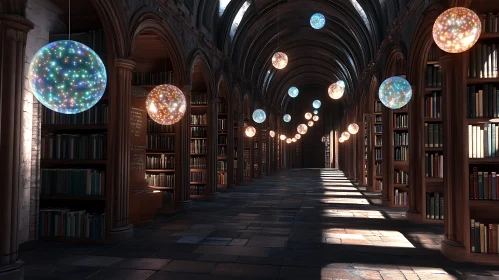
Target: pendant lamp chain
(278, 29)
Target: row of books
(378, 185)
(199, 177)
(401, 153)
(433, 76)
(484, 185)
(222, 178)
(222, 139)
(378, 118)
(400, 177)
(161, 142)
(483, 61)
(483, 101)
(400, 198)
(154, 78)
(199, 98)
(222, 165)
(433, 135)
(199, 119)
(489, 23)
(483, 140)
(378, 128)
(154, 127)
(378, 168)
(433, 105)
(67, 223)
(434, 53)
(434, 206)
(222, 107)
(434, 165)
(75, 182)
(199, 132)
(160, 162)
(74, 146)
(197, 162)
(401, 138)
(484, 238)
(222, 151)
(378, 154)
(160, 180)
(378, 107)
(198, 146)
(378, 140)
(196, 189)
(222, 124)
(98, 114)
(400, 120)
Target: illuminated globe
(315, 118)
(293, 92)
(282, 137)
(353, 128)
(316, 104)
(67, 77)
(336, 90)
(310, 123)
(293, 139)
(272, 134)
(298, 136)
(316, 112)
(250, 131)
(341, 140)
(456, 30)
(279, 60)
(317, 21)
(302, 128)
(395, 92)
(345, 135)
(259, 116)
(166, 104)
(308, 116)
(288, 140)
(286, 118)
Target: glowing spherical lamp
(286, 118)
(323, 139)
(308, 116)
(302, 128)
(315, 118)
(456, 30)
(316, 104)
(272, 134)
(250, 131)
(298, 136)
(279, 60)
(317, 21)
(310, 123)
(395, 92)
(316, 112)
(166, 104)
(293, 92)
(345, 135)
(282, 137)
(293, 139)
(336, 90)
(67, 77)
(259, 116)
(353, 128)
(341, 140)
(289, 140)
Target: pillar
(212, 152)
(13, 33)
(183, 155)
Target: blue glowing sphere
(316, 112)
(67, 77)
(317, 21)
(259, 116)
(395, 92)
(341, 83)
(293, 92)
(286, 118)
(316, 104)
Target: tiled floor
(299, 224)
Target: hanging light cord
(278, 29)
(69, 13)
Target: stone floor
(298, 224)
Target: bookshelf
(247, 156)
(378, 146)
(222, 149)
(399, 186)
(199, 145)
(265, 150)
(368, 158)
(235, 177)
(327, 152)
(74, 164)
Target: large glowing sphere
(272, 134)
(302, 128)
(288, 140)
(67, 77)
(293, 139)
(282, 137)
(341, 140)
(279, 60)
(293, 92)
(166, 104)
(316, 104)
(308, 116)
(336, 90)
(298, 136)
(353, 128)
(250, 131)
(310, 123)
(316, 112)
(315, 118)
(457, 30)
(345, 135)
(395, 92)
(317, 21)
(286, 118)
(259, 116)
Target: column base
(122, 233)
(456, 251)
(13, 271)
(414, 217)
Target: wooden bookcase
(368, 158)
(235, 178)
(398, 186)
(327, 152)
(378, 146)
(247, 156)
(222, 159)
(265, 150)
(199, 145)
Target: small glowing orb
(316, 112)
(395, 92)
(250, 131)
(456, 30)
(315, 118)
(298, 136)
(323, 139)
(310, 123)
(288, 140)
(308, 116)
(345, 135)
(67, 77)
(293, 139)
(259, 116)
(302, 128)
(166, 104)
(286, 118)
(293, 92)
(353, 128)
(272, 134)
(316, 104)
(279, 60)
(336, 90)
(341, 140)
(282, 137)
(317, 21)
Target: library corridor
(298, 224)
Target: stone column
(212, 146)
(230, 145)
(240, 149)
(183, 155)
(119, 148)
(13, 33)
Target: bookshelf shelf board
(482, 80)
(158, 152)
(487, 203)
(378, 160)
(193, 138)
(198, 108)
(434, 180)
(161, 133)
(489, 36)
(400, 111)
(433, 221)
(401, 186)
(378, 113)
(490, 259)
(432, 62)
(378, 133)
(73, 127)
(378, 146)
(221, 171)
(431, 90)
(400, 129)
(222, 157)
(198, 183)
(160, 170)
(70, 197)
(162, 188)
(61, 162)
(378, 123)
(483, 161)
(378, 177)
(478, 120)
(399, 146)
(198, 154)
(432, 119)
(433, 149)
(197, 169)
(393, 205)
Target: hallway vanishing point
(297, 224)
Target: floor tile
(190, 266)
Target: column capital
(16, 22)
(125, 63)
